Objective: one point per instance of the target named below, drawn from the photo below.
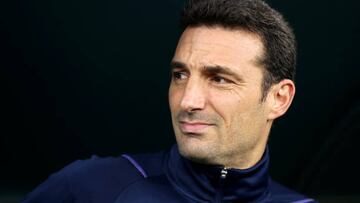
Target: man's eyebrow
(177, 64)
(217, 69)
(209, 69)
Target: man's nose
(194, 96)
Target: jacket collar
(204, 183)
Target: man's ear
(280, 98)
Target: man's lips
(193, 127)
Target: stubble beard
(203, 153)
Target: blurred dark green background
(90, 77)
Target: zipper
(223, 175)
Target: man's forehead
(218, 46)
(221, 35)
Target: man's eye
(179, 75)
(220, 80)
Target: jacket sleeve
(55, 190)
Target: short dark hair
(255, 16)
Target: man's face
(215, 96)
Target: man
(232, 76)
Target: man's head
(232, 76)
(255, 16)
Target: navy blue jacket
(164, 177)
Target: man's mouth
(193, 127)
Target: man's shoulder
(98, 168)
(98, 178)
(114, 172)
(281, 193)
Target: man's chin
(195, 152)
